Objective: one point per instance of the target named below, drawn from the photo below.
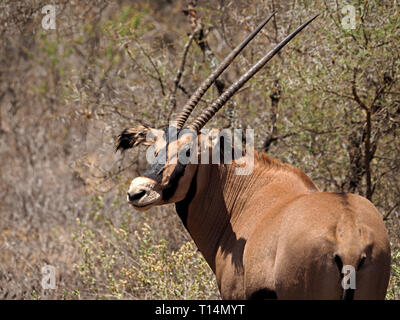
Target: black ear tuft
(131, 137)
(124, 141)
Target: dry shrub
(123, 260)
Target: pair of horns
(226, 95)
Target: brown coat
(273, 234)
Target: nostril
(137, 195)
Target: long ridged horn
(195, 98)
(223, 98)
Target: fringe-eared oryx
(269, 234)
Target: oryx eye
(188, 153)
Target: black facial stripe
(179, 171)
(154, 172)
(173, 182)
(156, 169)
(182, 207)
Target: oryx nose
(136, 195)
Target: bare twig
(392, 209)
(180, 72)
(158, 77)
(354, 91)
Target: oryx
(268, 234)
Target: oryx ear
(132, 137)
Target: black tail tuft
(348, 294)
